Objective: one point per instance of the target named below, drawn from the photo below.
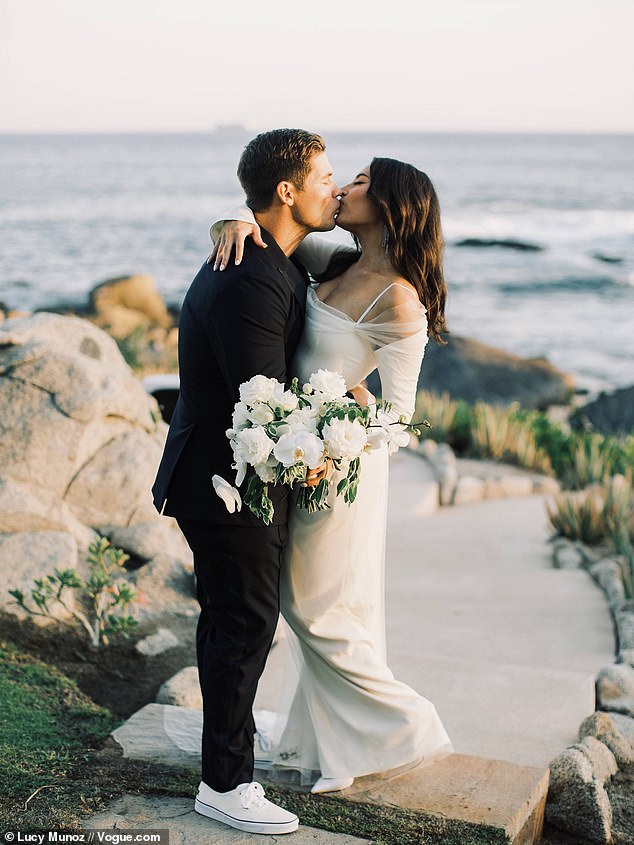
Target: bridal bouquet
(281, 434)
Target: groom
(244, 321)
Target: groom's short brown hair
(282, 155)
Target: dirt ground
(118, 676)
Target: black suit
(233, 325)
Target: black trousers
(238, 573)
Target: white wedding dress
(348, 715)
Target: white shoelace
(252, 796)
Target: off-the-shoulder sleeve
(399, 337)
(242, 212)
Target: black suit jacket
(235, 324)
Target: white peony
(261, 414)
(266, 471)
(258, 389)
(299, 447)
(303, 419)
(345, 438)
(284, 399)
(330, 385)
(252, 445)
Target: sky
(401, 65)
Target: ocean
(78, 209)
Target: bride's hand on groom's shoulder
(232, 236)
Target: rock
(567, 555)
(469, 490)
(127, 303)
(81, 441)
(182, 690)
(601, 758)
(614, 730)
(471, 370)
(615, 689)
(165, 587)
(505, 243)
(545, 485)
(577, 800)
(625, 628)
(25, 556)
(514, 485)
(107, 487)
(157, 643)
(24, 509)
(148, 540)
(610, 413)
(442, 459)
(608, 575)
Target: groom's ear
(285, 192)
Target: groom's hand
(314, 476)
(233, 234)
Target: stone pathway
(479, 621)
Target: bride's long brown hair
(409, 208)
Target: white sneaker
(244, 808)
(331, 785)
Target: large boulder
(611, 413)
(127, 303)
(79, 447)
(471, 370)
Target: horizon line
(236, 130)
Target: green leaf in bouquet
(314, 499)
(256, 498)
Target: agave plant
(579, 516)
(500, 434)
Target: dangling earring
(385, 240)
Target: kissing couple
(287, 306)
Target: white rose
(240, 417)
(252, 445)
(261, 414)
(330, 384)
(344, 438)
(284, 399)
(257, 389)
(307, 389)
(299, 447)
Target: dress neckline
(342, 314)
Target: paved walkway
(481, 623)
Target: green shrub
(98, 596)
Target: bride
(370, 308)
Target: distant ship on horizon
(231, 130)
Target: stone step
(464, 798)
(460, 797)
(466, 794)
